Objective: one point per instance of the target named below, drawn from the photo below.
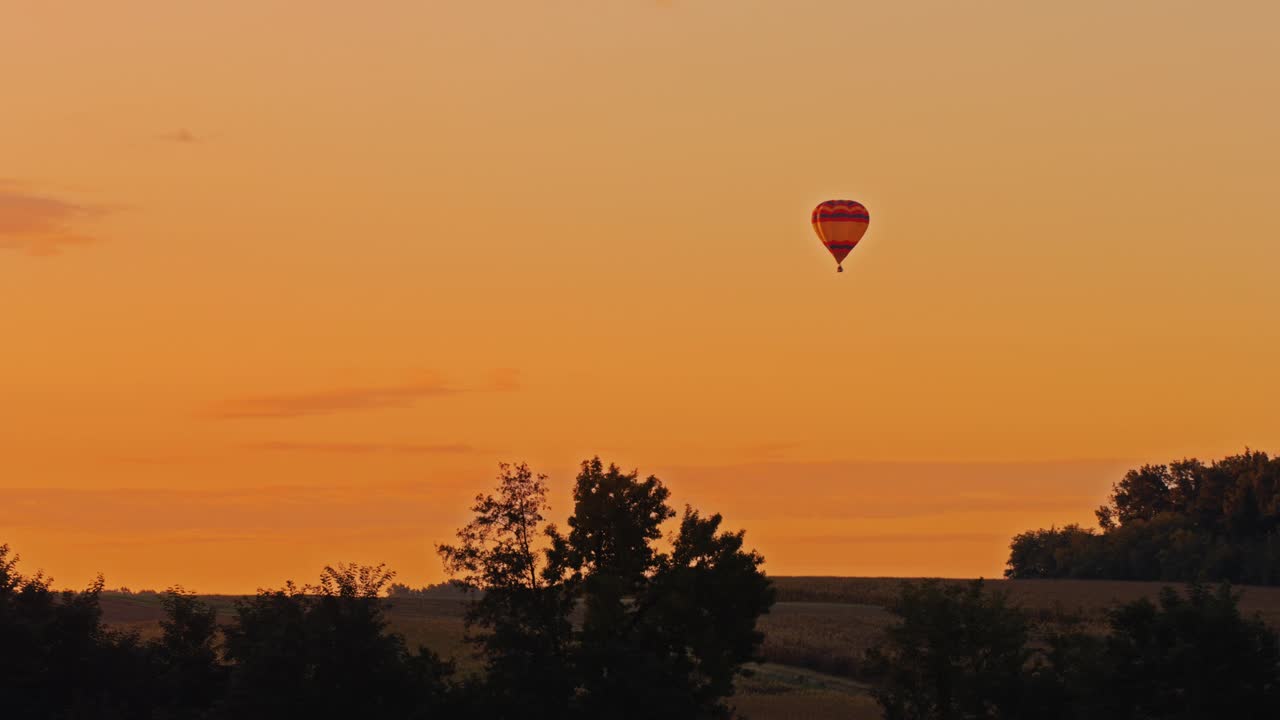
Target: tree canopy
(961, 651)
(603, 621)
(1183, 521)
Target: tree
(956, 651)
(323, 651)
(189, 677)
(519, 618)
(616, 518)
(661, 634)
(58, 660)
(1051, 553)
(1185, 521)
(1190, 657)
(1142, 494)
(698, 615)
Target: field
(815, 636)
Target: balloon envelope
(840, 224)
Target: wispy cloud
(360, 448)
(800, 493)
(148, 459)
(40, 224)
(505, 379)
(327, 402)
(217, 512)
(899, 538)
(181, 135)
(769, 450)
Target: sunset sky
(281, 283)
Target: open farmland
(815, 636)
(1046, 599)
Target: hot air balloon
(840, 224)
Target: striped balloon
(840, 224)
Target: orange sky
(281, 287)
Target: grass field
(1089, 598)
(815, 636)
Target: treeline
(597, 621)
(313, 651)
(1178, 522)
(448, 590)
(966, 652)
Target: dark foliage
(519, 619)
(450, 590)
(957, 652)
(57, 660)
(324, 651)
(698, 615)
(598, 623)
(188, 675)
(962, 652)
(1188, 657)
(1185, 521)
(662, 634)
(611, 620)
(609, 552)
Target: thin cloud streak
(328, 402)
(504, 379)
(152, 459)
(42, 225)
(181, 135)
(361, 448)
(898, 538)
(298, 509)
(256, 537)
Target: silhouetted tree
(1184, 521)
(661, 634)
(319, 652)
(1054, 552)
(1142, 494)
(324, 652)
(1189, 657)
(616, 517)
(450, 589)
(697, 616)
(519, 619)
(58, 660)
(956, 652)
(962, 652)
(189, 677)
